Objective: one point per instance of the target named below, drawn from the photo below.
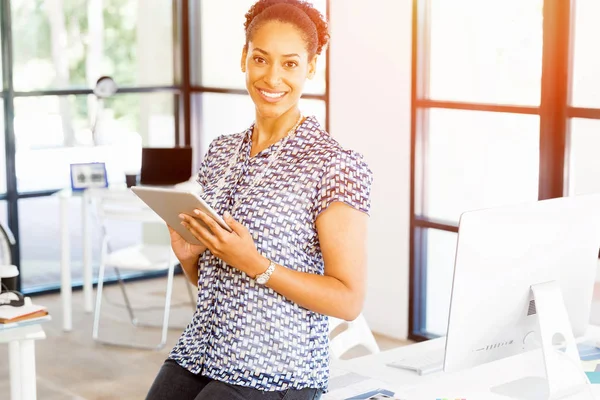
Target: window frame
(554, 112)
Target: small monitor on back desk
(165, 166)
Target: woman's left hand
(235, 248)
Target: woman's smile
(271, 96)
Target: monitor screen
(501, 253)
(166, 166)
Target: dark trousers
(174, 382)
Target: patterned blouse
(244, 333)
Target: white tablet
(169, 203)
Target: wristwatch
(264, 277)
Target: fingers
(200, 232)
(214, 226)
(235, 226)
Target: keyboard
(422, 363)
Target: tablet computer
(169, 203)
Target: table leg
(87, 255)
(65, 264)
(14, 370)
(28, 375)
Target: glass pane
(39, 225)
(584, 160)
(479, 159)
(55, 131)
(61, 44)
(219, 60)
(440, 250)
(216, 111)
(586, 63)
(2, 150)
(150, 115)
(486, 51)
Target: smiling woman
(285, 187)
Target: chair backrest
(357, 333)
(125, 220)
(6, 241)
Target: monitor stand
(565, 378)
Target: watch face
(261, 279)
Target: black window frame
(554, 112)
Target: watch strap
(264, 277)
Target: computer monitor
(501, 252)
(165, 166)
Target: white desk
(21, 355)
(469, 384)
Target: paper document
(33, 321)
(10, 312)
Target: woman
(297, 203)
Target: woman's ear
(243, 60)
(312, 67)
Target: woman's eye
(259, 60)
(291, 64)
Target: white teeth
(272, 95)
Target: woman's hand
(184, 251)
(235, 248)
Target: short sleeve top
(244, 333)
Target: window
(485, 52)
(477, 159)
(63, 44)
(480, 135)
(586, 60)
(40, 242)
(56, 131)
(584, 168)
(440, 253)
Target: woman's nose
(273, 77)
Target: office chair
(7, 269)
(357, 333)
(123, 205)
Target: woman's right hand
(184, 251)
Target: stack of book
(10, 315)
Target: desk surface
(468, 384)
(26, 332)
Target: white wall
(370, 75)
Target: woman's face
(276, 65)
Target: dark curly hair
(300, 13)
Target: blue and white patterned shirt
(244, 333)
